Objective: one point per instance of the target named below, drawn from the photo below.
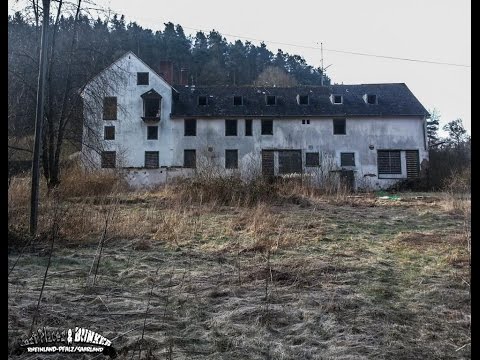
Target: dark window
(303, 122)
(238, 100)
(413, 166)
(152, 132)
(202, 100)
(371, 99)
(339, 127)
(347, 159)
(271, 99)
(189, 159)
(151, 159)
(267, 127)
(231, 159)
(389, 162)
(109, 133)
(337, 99)
(248, 127)
(108, 159)
(151, 107)
(308, 122)
(110, 108)
(303, 99)
(312, 159)
(230, 127)
(190, 127)
(142, 78)
(289, 161)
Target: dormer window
(336, 99)
(370, 99)
(202, 100)
(271, 100)
(302, 100)
(151, 105)
(238, 100)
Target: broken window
(371, 99)
(189, 159)
(347, 159)
(190, 127)
(151, 159)
(303, 99)
(231, 159)
(248, 127)
(267, 127)
(142, 78)
(152, 132)
(339, 127)
(337, 99)
(289, 161)
(312, 159)
(230, 127)
(271, 99)
(109, 133)
(202, 100)
(108, 159)
(389, 162)
(238, 100)
(110, 108)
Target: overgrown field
(295, 278)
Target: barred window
(389, 162)
(347, 159)
(151, 159)
(312, 159)
(108, 159)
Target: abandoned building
(155, 130)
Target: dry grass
(348, 276)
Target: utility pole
(39, 120)
(321, 62)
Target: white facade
(364, 136)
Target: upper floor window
(202, 100)
(230, 127)
(371, 99)
(337, 99)
(151, 105)
(142, 78)
(110, 108)
(109, 133)
(108, 159)
(339, 127)
(238, 100)
(190, 127)
(267, 127)
(248, 127)
(152, 132)
(303, 99)
(271, 99)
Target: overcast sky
(428, 30)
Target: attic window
(303, 99)
(271, 99)
(371, 99)
(238, 100)
(142, 78)
(337, 99)
(202, 100)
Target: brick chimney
(165, 70)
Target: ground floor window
(231, 159)
(312, 159)
(289, 161)
(151, 159)
(189, 159)
(389, 162)
(347, 159)
(108, 159)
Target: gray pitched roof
(393, 100)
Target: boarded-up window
(142, 78)
(389, 162)
(110, 108)
(189, 159)
(248, 127)
(231, 159)
(312, 159)
(151, 159)
(230, 127)
(289, 161)
(109, 133)
(108, 159)
(190, 127)
(267, 127)
(347, 159)
(413, 166)
(152, 132)
(339, 127)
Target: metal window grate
(312, 159)
(151, 159)
(413, 164)
(108, 159)
(389, 162)
(347, 159)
